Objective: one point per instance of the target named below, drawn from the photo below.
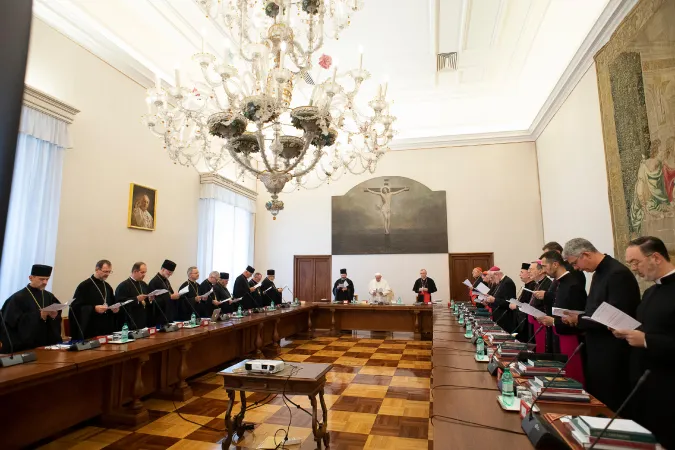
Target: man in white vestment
(379, 290)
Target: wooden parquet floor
(377, 393)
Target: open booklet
(57, 306)
(482, 288)
(613, 317)
(562, 312)
(531, 310)
(185, 290)
(467, 283)
(157, 292)
(117, 305)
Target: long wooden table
(66, 388)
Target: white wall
(492, 201)
(573, 172)
(111, 149)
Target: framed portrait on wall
(142, 207)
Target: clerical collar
(566, 272)
(604, 263)
(661, 280)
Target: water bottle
(125, 333)
(295, 300)
(461, 317)
(468, 332)
(239, 314)
(272, 306)
(399, 301)
(452, 304)
(480, 347)
(507, 387)
(193, 320)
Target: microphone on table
(187, 300)
(136, 333)
(84, 345)
(12, 359)
(167, 327)
(494, 365)
(538, 431)
(623, 405)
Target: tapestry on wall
(389, 215)
(636, 80)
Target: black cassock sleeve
(575, 299)
(26, 328)
(82, 310)
(432, 286)
(416, 286)
(335, 288)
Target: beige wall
(111, 149)
(492, 202)
(572, 170)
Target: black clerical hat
(270, 271)
(224, 276)
(40, 270)
(250, 269)
(169, 265)
(343, 271)
(525, 266)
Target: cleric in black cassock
(28, 326)
(503, 291)
(192, 299)
(210, 302)
(542, 298)
(606, 374)
(165, 306)
(223, 294)
(653, 343)
(340, 292)
(424, 287)
(134, 314)
(256, 294)
(242, 289)
(92, 298)
(525, 296)
(269, 290)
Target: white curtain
(226, 231)
(33, 216)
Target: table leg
(332, 322)
(324, 424)
(418, 334)
(259, 341)
(309, 324)
(275, 335)
(235, 427)
(319, 429)
(183, 391)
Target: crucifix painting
(389, 215)
(386, 193)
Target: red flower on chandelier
(325, 61)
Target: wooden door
(461, 265)
(312, 277)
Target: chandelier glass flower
(263, 110)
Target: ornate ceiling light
(247, 110)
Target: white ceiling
(512, 53)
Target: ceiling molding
(500, 137)
(49, 105)
(611, 17)
(218, 180)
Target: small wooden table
(296, 379)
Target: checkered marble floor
(377, 393)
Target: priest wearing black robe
(576, 274)
(191, 297)
(523, 328)
(223, 294)
(90, 307)
(28, 326)
(504, 289)
(135, 313)
(165, 306)
(343, 288)
(270, 292)
(653, 343)
(256, 294)
(207, 289)
(424, 287)
(606, 374)
(242, 290)
(542, 299)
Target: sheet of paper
(482, 288)
(208, 293)
(157, 292)
(58, 306)
(527, 290)
(467, 283)
(185, 290)
(560, 312)
(513, 300)
(480, 299)
(613, 317)
(258, 285)
(235, 300)
(531, 310)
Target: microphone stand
(167, 327)
(136, 333)
(84, 345)
(12, 359)
(623, 405)
(187, 300)
(538, 431)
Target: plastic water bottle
(272, 306)
(468, 332)
(452, 304)
(239, 314)
(295, 300)
(193, 320)
(480, 347)
(461, 317)
(125, 333)
(399, 301)
(507, 387)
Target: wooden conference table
(62, 389)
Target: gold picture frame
(142, 209)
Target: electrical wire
(294, 370)
(472, 424)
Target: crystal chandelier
(249, 109)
